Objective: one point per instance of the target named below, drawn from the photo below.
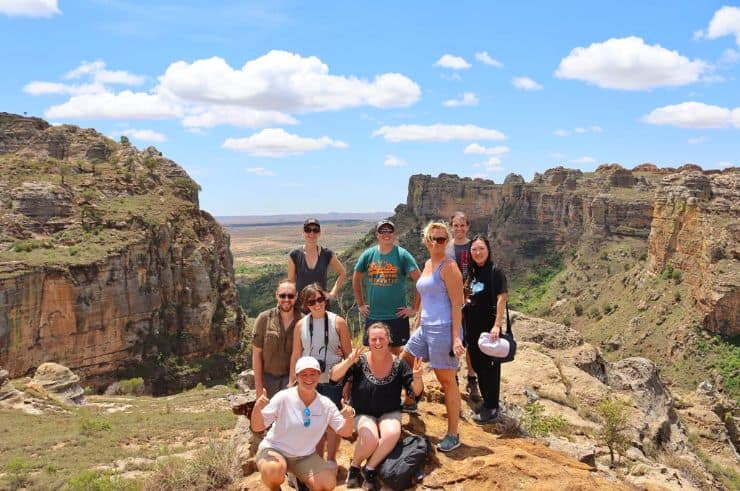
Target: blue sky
(287, 106)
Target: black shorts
(400, 330)
(332, 391)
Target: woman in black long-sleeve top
(484, 312)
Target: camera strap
(326, 333)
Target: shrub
(537, 424)
(614, 413)
(18, 471)
(578, 309)
(214, 467)
(90, 426)
(90, 480)
(132, 386)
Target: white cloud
(493, 164)
(730, 56)
(580, 130)
(525, 83)
(453, 62)
(211, 115)
(123, 105)
(484, 57)
(691, 115)
(393, 161)
(583, 160)
(285, 82)
(467, 99)
(696, 140)
(699, 34)
(630, 64)
(29, 8)
(725, 22)
(96, 70)
(44, 88)
(475, 149)
(437, 132)
(260, 171)
(276, 142)
(145, 135)
(724, 163)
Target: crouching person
(299, 417)
(377, 379)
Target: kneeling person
(299, 417)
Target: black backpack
(404, 466)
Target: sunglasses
(438, 240)
(312, 302)
(306, 418)
(312, 230)
(289, 296)
(385, 231)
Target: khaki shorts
(301, 467)
(366, 418)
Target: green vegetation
(728, 476)
(90, 480)
(614, 413)
(533, 285)
(214, 467)
(670, 273)
(722, 354)
(535, 423)
(132, 386)
(62, 450)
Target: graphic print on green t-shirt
(385, 280)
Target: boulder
(7, 390)
(59, 383)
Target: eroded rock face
(696, 230)
(125, 269)
(58, 382)
(6, 389)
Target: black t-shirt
(376, 397)
(462, 258)
(304, 275)
(486, 283)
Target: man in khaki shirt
(272, 341)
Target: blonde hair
(426, 235)
(383, 326)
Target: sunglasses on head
(385, 231)
(312, 230)
(306, 417)
(314, 301)
(289, 296)
(438, 240)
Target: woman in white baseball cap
(484, 311)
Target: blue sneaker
(448, 443)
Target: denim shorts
(434, 345)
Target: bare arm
(257, 421)
(357, 279)
(344, 339)
(340, 369)
(296, 352)
(453, 281)
(501, 299)
(338, 268)
(406, 311)
(291, 269)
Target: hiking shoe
(448, 443)
(473, 391)
(370, 483)
(354, 477)
(485, 415)
(410, 408)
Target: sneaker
(302, 486)
(410, 408)
(473, 391)
(485, 415)
(354, 477)
(448, 443)
(370, 483)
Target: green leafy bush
(536, 423)
(132, 386)
(612, 434)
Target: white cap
(307, 362)
(498, 348)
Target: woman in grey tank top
(311, 262)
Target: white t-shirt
(288, 435)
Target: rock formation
(57, 382)
(696, 230)
(107, 264)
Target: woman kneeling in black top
(377, 379)
(484, 311)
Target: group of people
(313, 387)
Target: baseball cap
(306, 362)
(387, 223)
(498, 348)
(311, 221)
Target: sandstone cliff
(688, 218)
(107, 264)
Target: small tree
(614, 413)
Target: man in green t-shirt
(382, 271)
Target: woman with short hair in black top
(377, 378)
(484, 311)
(311, 262)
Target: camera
(322, 365)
